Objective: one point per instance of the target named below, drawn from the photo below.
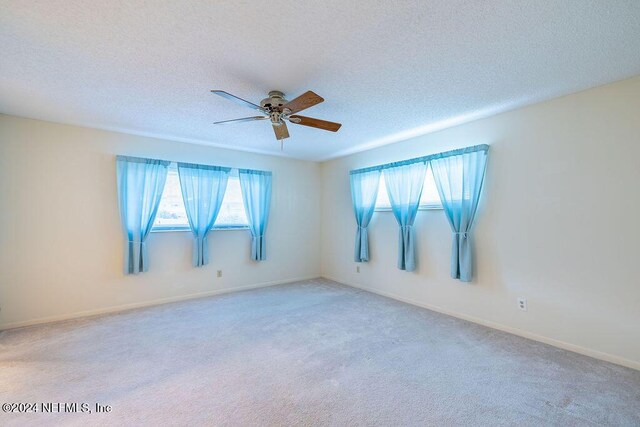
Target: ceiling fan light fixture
(278, 109)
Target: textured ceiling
(387, 70)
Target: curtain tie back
(463, 234)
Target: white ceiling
(388, 70)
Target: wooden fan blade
(281, 131)
(315, 123)
(244, 119)
(304, 101)
(237, 100)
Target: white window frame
(424, 207)
(171, 228)
(421, 207)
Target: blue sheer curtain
(140, 185)
(256, 195)
(404, 187)
(364, 191)
(203, 189)
(459, 180)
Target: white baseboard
(515, 331)
(159, 301)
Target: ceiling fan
(277, 109)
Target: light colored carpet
(310, 353)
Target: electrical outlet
(219, 273)
(357, 269)
(522, 303)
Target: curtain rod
(144, 159)
(423, 159)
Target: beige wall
(61, 246)
(558, 224)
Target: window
(172, 215)
(430, 198)
(232, 214)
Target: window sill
(215, 228)
(421, 208)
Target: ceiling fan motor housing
(273, 104)
(275, 101)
